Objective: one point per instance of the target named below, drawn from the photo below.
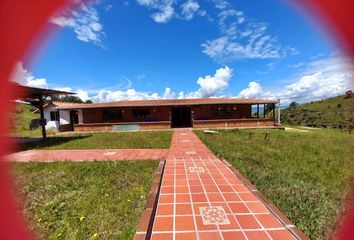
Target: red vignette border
(21, 21)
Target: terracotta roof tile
(164, 102)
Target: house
(162, 114)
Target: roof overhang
(165, 103)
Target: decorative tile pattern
(214, 215)
(196, 169)
(202, 198)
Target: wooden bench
(266, 135)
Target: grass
(104, 140)
(306, 174)
(80, 200)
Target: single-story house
(162, 114)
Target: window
(269, 111)
(255, 110)
(259, 110)
(54, 116)
(221, 111)
(141, 113)
(112, 115)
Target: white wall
(51, 125)
(64, 116)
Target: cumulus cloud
(80, 93)
(85, 22)
(24, 77)
(168, 94)
(211, 86)
(130, 94)
(242, 38)
(321, 79)
(254, 90)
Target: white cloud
(130, 94)
(322, 79)
(84, 21)
(108, 7)
(164, 9)
(243, 38)
(168, 94)
(25, 78)
(210, 86)
(82, 94)
(254, 90)
(189, 8)
(221, 4)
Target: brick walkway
(88, 155)
(201, 198)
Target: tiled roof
(163, 102)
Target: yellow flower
(82, 218)
(95, 235)
(39, 220)
(59, 234)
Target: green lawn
(104, 140)
(102, 200)
(307, 175)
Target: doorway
(74, 118)
(181, 117)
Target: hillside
(332, 112)
(21, 117)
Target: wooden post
(40, 106)
(278, 111)
(257, 110)
(264, 113)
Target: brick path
(88, 155)
(201, 198)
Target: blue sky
(149, 49)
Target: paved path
(88, 155)
(201, 198)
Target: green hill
(332, 112)
(21, 117)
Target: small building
(162, 114)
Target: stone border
(298, 234)
(147, 218)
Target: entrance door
(181, 117)
(74, 118)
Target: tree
(293, 104)
(67, 98)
